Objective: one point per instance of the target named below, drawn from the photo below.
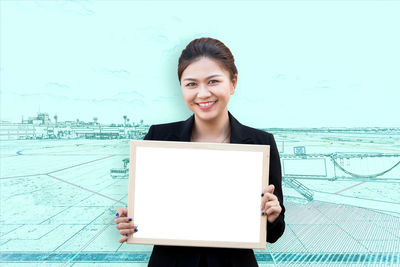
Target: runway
(58, 203)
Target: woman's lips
(207, 107)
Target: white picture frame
(197, 194)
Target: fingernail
(262, 213)
(136, 230)
(126, 235)
(262, 194)
(117, 214)
(130, 219)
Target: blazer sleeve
(275, 229)
(149, 135)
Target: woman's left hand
(270, 205)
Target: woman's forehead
(203, 68)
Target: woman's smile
(206, 105)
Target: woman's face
(206, 88)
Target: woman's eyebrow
(209, 77)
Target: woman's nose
(203, 92)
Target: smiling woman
(207, 96)
(208, 77)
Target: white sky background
(301, 64)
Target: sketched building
(12, 131)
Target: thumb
(271, 188)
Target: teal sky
(301, 64)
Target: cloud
(71, 6)
(129, 94)
(154, 34)
(109, 100)
(280, 76)
(164, 99)
(59, 85)
(323, 84)
(131, 97)
(117, 72)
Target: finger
(123, 239)
(273, 210)
(270, 204)
(266, 190)
(267, 197)
(125, 226)
(128, 231)
(121, 212)
(123, 220)
(269, 189)
(270, 197)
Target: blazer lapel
(238, 131)
(186, 130)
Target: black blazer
(203, 256)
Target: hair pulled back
(210, 48)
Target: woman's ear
(234, 83)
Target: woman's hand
(124, 224)
(270, 205)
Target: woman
(208, 77)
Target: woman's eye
(190, 84)
(213, 81)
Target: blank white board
(197, 194)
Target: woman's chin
(206, 116)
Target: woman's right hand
(124, 224)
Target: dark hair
(207, 47)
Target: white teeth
(206, 104)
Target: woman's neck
(217, 130)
